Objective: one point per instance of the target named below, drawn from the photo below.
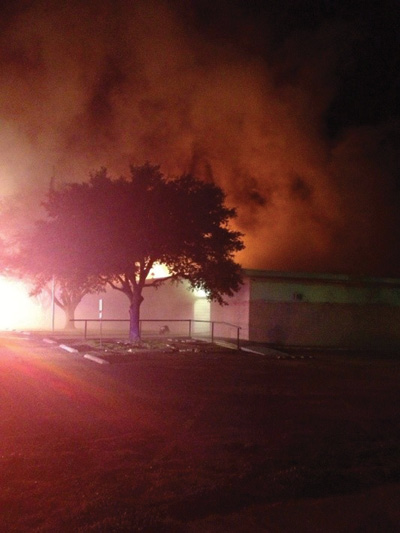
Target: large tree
(25, 254)
(115, 230)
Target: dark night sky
(291, 106)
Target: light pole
(53, 307)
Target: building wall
(236, 312)
(325, 324)
(322, 310)
(169, 301)
(337, 290)
(201, 317)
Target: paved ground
(214, 441)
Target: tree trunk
(69, 311)
(134, 315)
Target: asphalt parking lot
(209, 440)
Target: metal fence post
(212, 331)
(190, 328)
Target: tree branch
(116, 287)
(158, 281)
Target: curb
(268, 351)
(249, 350)
(68, 348)
(225, 344)
(49, 341)
(96, 359)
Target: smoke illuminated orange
(114, 83)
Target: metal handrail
(188, 320)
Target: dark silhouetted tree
(115, 230)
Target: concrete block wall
(325, 324)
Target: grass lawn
(208, 440)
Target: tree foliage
(114, 230)
(47, 270)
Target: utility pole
(53, 307)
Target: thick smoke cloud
(243, 103)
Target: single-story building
(288, 308)
(280, 308)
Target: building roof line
(314, 277)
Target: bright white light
(158, 271)
(200, 293)
(17, 309)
